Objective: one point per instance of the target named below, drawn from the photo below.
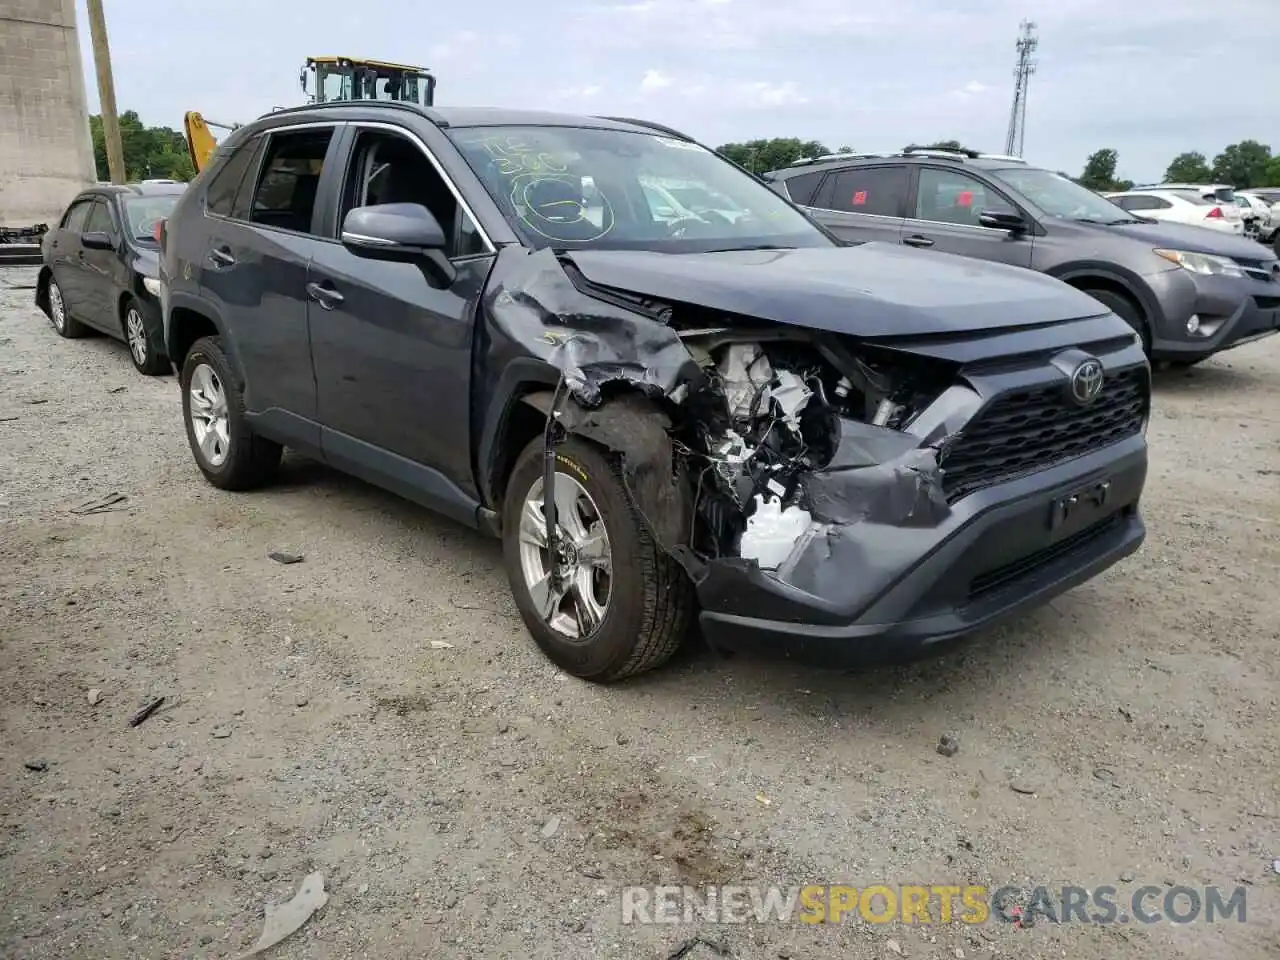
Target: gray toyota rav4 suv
(819, 450)
(1188, 291)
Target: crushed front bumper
(877, 590)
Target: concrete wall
(46, 155)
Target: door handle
(222, 256)
(324, 295)
(917, 241)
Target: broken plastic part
(744, 373)
(285, 919)
(772, 532)
(791, 395)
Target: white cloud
(654, 80)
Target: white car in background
(1179, 203)
(1266, 215)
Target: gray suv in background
(1189, 292)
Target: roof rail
(913, 149)
(427, 112)
(826, 157)
(1000, 156)
(652, 126)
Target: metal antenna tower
(1027, 43)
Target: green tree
(1242, 164)
(761, 156)
(1271, 178)
(1191, 167)
(1100, 170)
(149, 152)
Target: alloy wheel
(208, 404)
(573, 604)
(136, 333)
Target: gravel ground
(377, 713)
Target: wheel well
(42, 288)
(1087, 283)
(125, 297)
(185, 328)
(524, 423)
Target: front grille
(1259, 269)
(993, 580)
(1023, 431)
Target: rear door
(64, 259)
(863, 202)
(944, 216)
(259, 243)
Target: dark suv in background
(1189, 292)
(828, 450)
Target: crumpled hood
(1181, 236)
(869, 290)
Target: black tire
(64, 324)
(1127, 310)
(248, 460)
(651, 599)
(154, 361)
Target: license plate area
(1080, 508)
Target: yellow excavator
(326, 80)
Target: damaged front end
(757, 454)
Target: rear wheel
(66, 325)
(1126, 309)
(144, 341)
(622, 605)
(227, 451)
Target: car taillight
(1214, 214)
(159, 231)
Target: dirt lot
(470, 801)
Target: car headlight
(152, 285)
(1205, 264)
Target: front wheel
(143, 338)
(227, 451)
(1128, 311)
(622, 605)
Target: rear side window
(76, 216)
(802, 188)
(221, 195)
(1191, 197)
(1141, 202)
(286, 193)
(881, 191)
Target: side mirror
(96, 241)
(403, 232)
(999, 220)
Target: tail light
(159, 231)
(1214, 214)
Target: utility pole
(1026, 46)
(106, 91)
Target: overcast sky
(1150, 78)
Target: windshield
(576, 188)
(145, 213)
(1059, 197)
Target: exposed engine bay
(772, 417)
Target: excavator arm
(201, 143)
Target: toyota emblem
(1086, 381)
